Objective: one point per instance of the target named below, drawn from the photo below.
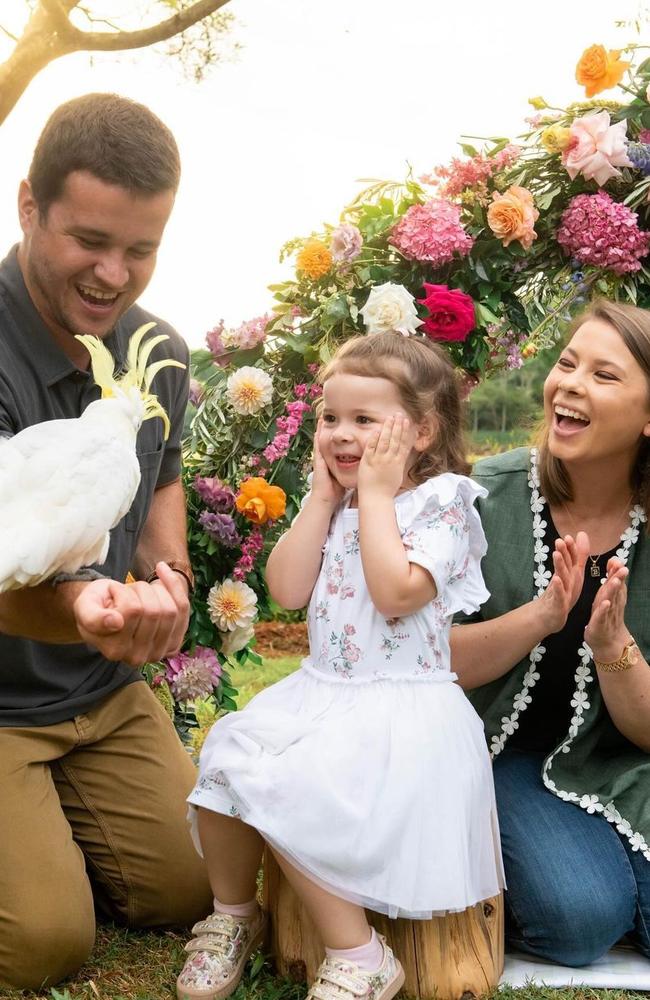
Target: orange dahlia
(259, 501)
(314, 260)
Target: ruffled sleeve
(441, 531)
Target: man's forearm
(43, 613)
(164, 536)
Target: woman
(557, 659)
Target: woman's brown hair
(633, 326)
(428, 388)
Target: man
(93, 779)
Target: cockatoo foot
(84, 575)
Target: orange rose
(512, 215)
(599, 69)
(260, 502)
(314, 260)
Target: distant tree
(55, 28)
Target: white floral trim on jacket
(583, 675)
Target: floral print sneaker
(218, 955)
(337, 980)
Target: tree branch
(104, 41)
(6, 32)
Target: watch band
(627, 659)
(183, 568)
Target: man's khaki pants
(93, 807)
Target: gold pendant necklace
(594, 569)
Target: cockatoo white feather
(65, 483)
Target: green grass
(249, 680)
(135, 965)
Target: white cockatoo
(65, 483)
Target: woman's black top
(545, 722)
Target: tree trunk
(455, 957)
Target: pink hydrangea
(193, 675)
(432, 232)
(597, 230)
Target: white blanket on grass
(622, 968)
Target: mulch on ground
(281, 639)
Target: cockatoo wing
(63, 485)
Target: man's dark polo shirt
(41, 684)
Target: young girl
(366, 771)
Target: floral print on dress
(351, 540)
(349, 638)
(336, 582)
(392, 642)
(347, 653)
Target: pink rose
(451, 313)
(596, 148)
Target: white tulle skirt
(381, 792)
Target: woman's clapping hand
(569, 560)
(606, 632)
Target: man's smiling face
(92, 255)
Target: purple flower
(193, 675)
(196, 391)
(221, 527)
(214, 493)
(346, 243)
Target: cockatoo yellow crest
(65, 483)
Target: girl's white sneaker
(338, 980)
(218, 955)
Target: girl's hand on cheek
(324, 486)
(382, 465)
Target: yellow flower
(529, 351)
(599, 69)
(555, 138)
(314, 259)
(249, 389)
(538, 103)
(231, 605)
(260, 502)
(512, 215)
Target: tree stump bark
(455, 957)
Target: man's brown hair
(113, 138)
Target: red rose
(451, 313)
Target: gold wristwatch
(627, 659)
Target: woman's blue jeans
(575, 887)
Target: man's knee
(42, 949)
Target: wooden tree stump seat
(455, 957)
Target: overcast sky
(320, 96)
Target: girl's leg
(233, 854)
(571, 889)
(341, 924)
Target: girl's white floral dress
(368, 768)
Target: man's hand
(137, 622)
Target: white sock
(248, 909)
(367, 956)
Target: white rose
(390, 307)
(232, 642)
